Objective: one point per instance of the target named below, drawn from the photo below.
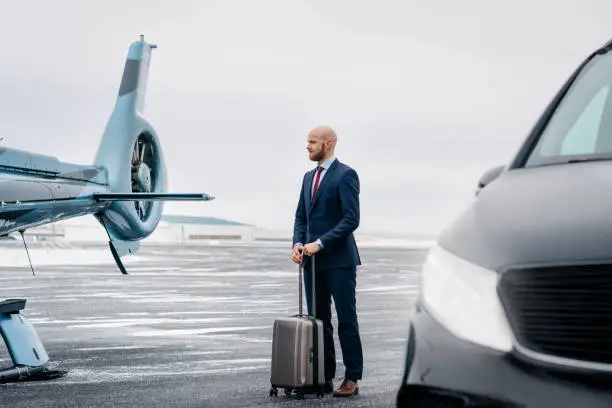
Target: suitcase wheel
(274, 392)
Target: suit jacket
(331, 216)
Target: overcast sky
(424, 95)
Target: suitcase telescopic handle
(314, 301)
(300, 283)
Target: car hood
(556, 214)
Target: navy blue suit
(331, 217)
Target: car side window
(582, 136)
(581, 126)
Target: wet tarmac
(191, 326)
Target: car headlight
(462, 297)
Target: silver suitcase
(297, 351)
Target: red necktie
(316, 186)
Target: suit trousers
(339, 284)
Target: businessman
(326, 216)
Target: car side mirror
(489, 176)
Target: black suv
(515, 306)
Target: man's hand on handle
(296, 253)
(300, 250)
(311, 249)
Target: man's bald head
(325, 133)
(321, 143)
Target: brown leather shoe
(348, 388)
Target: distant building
(189, 228)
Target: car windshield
(581, 127)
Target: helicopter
(124, 189)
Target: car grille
(561, 311)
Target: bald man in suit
(326, 216)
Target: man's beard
(319, 155)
